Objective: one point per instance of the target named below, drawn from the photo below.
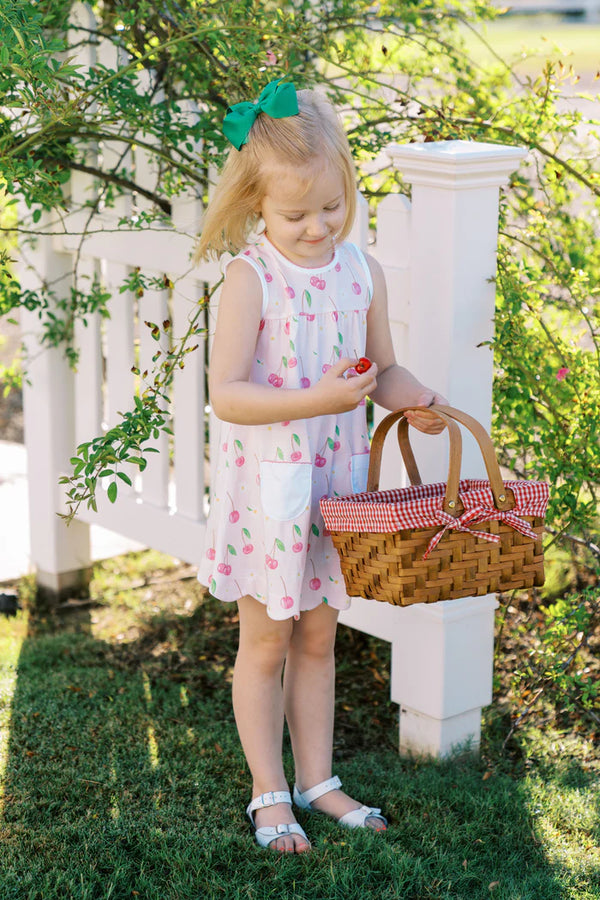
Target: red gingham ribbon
(474, 516)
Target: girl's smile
(302, 222)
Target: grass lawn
(122, 776)
(529, 40)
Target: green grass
(528, 41)
(123, 776)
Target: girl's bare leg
(309, 691)
(258, 708)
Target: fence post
(442, 655)
(60, 553)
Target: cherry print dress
(265, 534)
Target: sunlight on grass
(152, 747)
(11, 639)
(527, 44)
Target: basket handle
(503, 496)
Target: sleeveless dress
(265, 535)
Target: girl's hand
(340, 390)
(424, 420)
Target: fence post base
(423, 735)
(53, 588)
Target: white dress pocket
(285, 489)
(359, 470)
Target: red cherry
(363, 365)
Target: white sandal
(269, 833)
(356, 818)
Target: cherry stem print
(224, 568)
(286, 601)
(297, 545)
(246, 541)
(270, 560)
(234, 514)
(333, 444)
(306, 296)
(239, 453)
(314, 583)
(296, 454)
(304, 381)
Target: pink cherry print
(246, 253)
(224, 447)
(224, 569)
(261, 325)
(305, 382)
(271, 563)
(297, 547)
(322, 284)
(314, 281)
(286, 328)
(211, 553)
(234, 514)
(356, 287)
(272, 378)
(314, 583)
(338, 267)
(278, 381)
(310, 317)
(240, 461)
(248, 547)
(292, 362)
(268, 277)
(296, 455)
(286, 601)
(290, 291)
(325, 367)
(336, 446)
(320, 461)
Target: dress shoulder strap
(261, 274)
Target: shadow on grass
(124, 778)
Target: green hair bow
(277, 100)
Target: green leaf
(112, 491)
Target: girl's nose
(316, 227)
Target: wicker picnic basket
(430, 542)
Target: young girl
(298, 306)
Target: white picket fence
(438, 253)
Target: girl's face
(303, 223)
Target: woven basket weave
(461, 538)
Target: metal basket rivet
(452, 504)
(502, 497)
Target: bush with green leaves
(399, 71)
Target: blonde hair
(299, 141)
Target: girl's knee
(314, 635)
(266, 640)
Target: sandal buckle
(268, 799)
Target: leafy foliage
(403, 71)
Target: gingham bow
(474, 516)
